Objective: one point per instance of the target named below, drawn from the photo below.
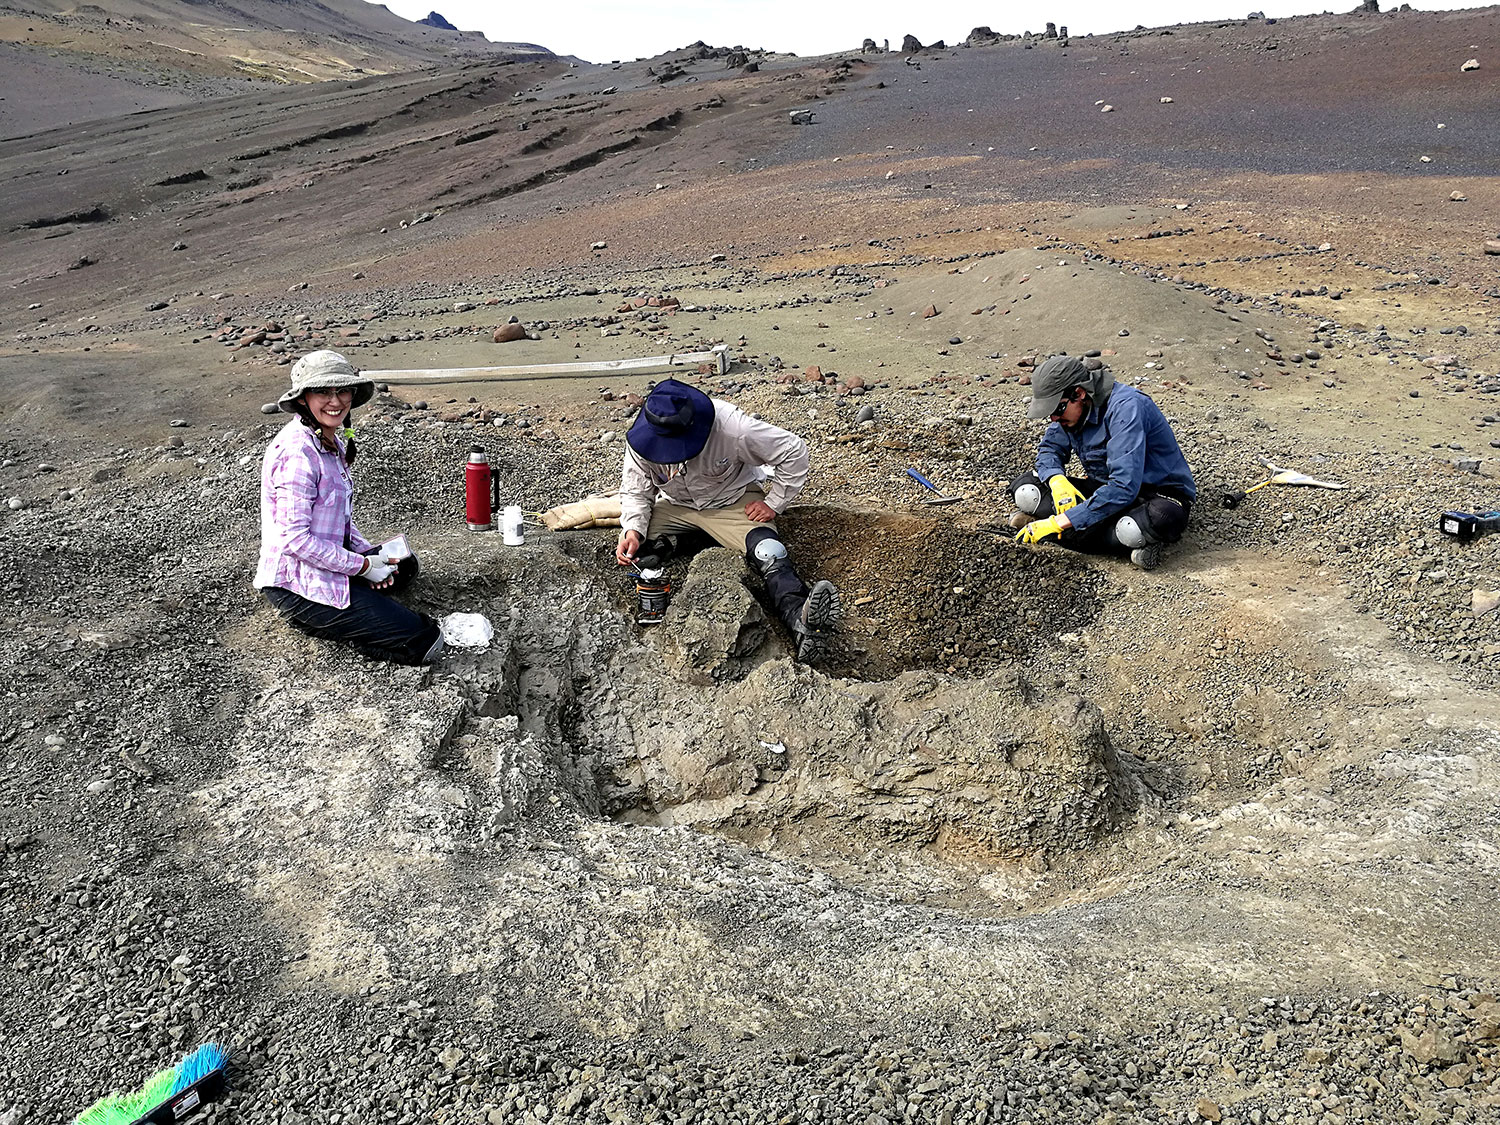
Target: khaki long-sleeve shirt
(739, 451)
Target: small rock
(929, 312)
(508, 332)
(866, 413)
(1484, 601)
(1458, 197)
(1208, 1110)
(599, 246)
(1470, 64)
(102, 785)
(269, 408)
(178, 423)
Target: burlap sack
(591, 511)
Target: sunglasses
(1066, 401)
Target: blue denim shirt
(1127, 445)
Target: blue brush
(199, 1065)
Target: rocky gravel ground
(509, 890)
(125, 954)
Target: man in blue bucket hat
(696, 463)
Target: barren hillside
(65, 64)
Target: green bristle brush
(168, 1096)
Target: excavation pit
(928, 735)
(918, 594)
(930, 593)
(993, 709)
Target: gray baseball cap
(1057, 375)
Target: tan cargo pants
(728, 527)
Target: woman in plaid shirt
(315, 567)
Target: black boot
(656, 553)
(809, 615)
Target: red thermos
(477, 491)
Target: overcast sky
(604, 30)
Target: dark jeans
(374, 622)
(1162, 517)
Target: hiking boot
(819, 617)
(1018, 520)
(1147, 557)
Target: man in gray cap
(1136, 489)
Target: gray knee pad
(1029, 498)
(1129, 533)
(765, 552)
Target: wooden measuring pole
(719, 357)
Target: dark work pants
(374, 622)
(783, 583)
(788, 592)
(1161, 517)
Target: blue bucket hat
(673, 425)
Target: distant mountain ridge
(124, 56)
(289, 40)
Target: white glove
(377, 569)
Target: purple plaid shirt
(308, 542)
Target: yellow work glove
(1064, 495)
(1037, 530)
